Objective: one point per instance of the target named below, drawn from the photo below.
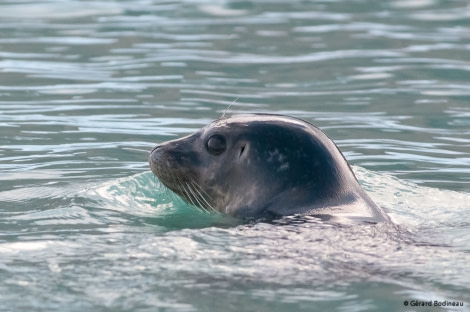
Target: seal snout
(161, 161)
(154, 158)
(171, 162)
(161, 164)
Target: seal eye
(216, 145)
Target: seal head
(263, 165)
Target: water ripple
(87, 88)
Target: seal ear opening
(242, 149)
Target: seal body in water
(263, 166)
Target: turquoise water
(87, 88)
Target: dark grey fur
(263, 165)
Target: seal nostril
(156, 147)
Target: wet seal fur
(263, 166)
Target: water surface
(87, 88)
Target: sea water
(87, 88)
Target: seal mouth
(185, 186)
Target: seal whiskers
(188, 195)
(201, 194)
(195, 197)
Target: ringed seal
(263, 166)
